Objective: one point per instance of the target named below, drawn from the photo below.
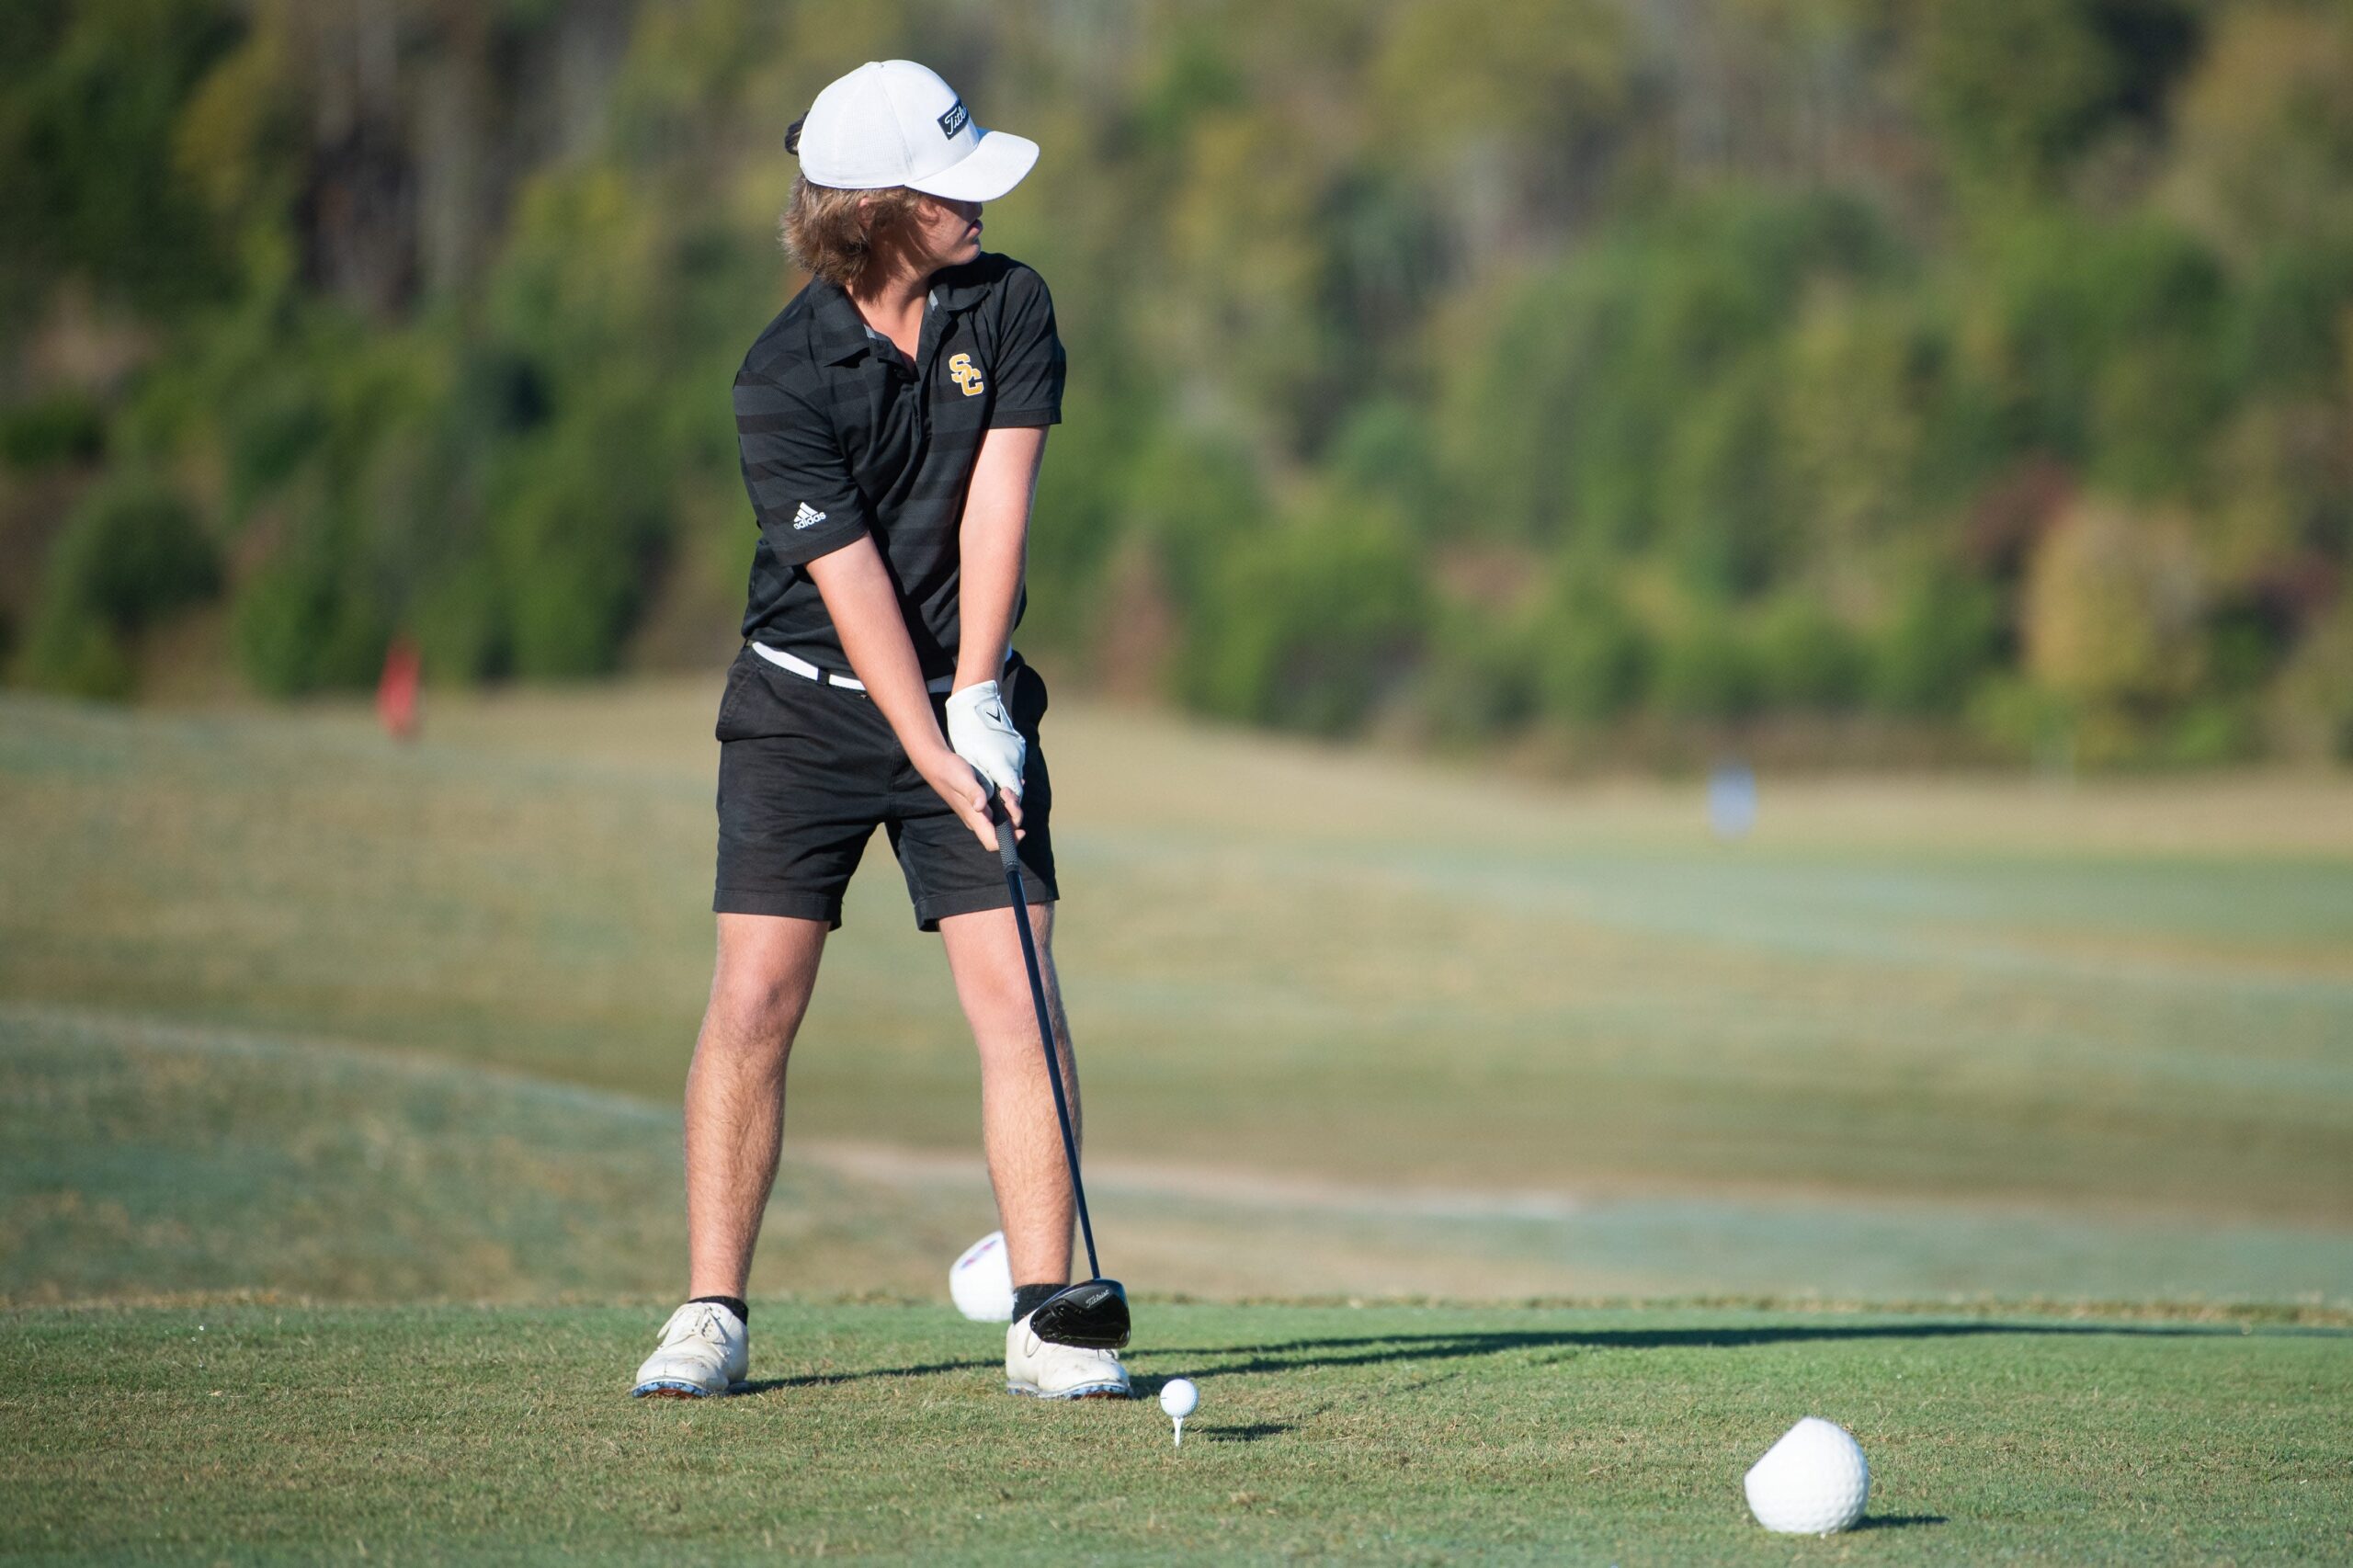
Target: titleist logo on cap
(953, 120)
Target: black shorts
(807, 771)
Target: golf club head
(1092, 1314)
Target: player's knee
(999, 1006)
(1007, 1039)
(752, 1014)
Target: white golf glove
(981, 732)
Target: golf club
(1092, 1312)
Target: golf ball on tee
(1178, 1397)
(1814, 1482)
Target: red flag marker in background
(396, 690)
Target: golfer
(891, 422)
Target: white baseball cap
(895, 122)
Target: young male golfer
(891, 422)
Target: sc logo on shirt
(967, 375)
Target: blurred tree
(2113, 617)
(1753, 346)
(1191, 70)
(1505, 109)
(1311, 624)
(1726, 501)
(2262, 154)
(1858, 404)
(64, 427)
(2017, 89)
(2279, 497)
(305, 622)
(132, 552)
(1478, 680)
(239, 143)
(1247, 333)
(89, 94)
(2281, 329)
(1707, 669)
(2311, 709)
(1590, 655)
(2100, 340)
(1946, 633)
(1386, 449)
(1556, 420)
(1806, 658)
(1198, 499)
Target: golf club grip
(1004, 849)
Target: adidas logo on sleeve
(808, 516)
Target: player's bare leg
(1027, 1165)
(759, 990)
(1017, 1125)
(735, 1116)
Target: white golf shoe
(705, 1351)
(1045, 1370)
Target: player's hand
(982, 732)
(953, 780)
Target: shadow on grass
(1250, 1434)
(825, 1380)
(1894, 1522)
(1373, 1349)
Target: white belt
(808, 670)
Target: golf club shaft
(1005, 853)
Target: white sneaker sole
(1085, 1391)
(677, 1388)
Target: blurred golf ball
(1177, 1398)
(1814, 1482)
(981, 1283)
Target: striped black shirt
(842, 436)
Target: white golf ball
(1814, 1482)
(981, 1283)
(1178, 1397)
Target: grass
(338, 1087)
(2109, 997)
(2099, 1032)
(252, 1434)
(154, 1158)
(148, 1159)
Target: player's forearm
(994, 554)
(993, 544)
(864, 607)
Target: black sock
(1027, 1299)
(736, 1305)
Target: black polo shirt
(842, 436)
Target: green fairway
(291, 1016)
(155, 1159)
(252, 1434)
(1404, 1029)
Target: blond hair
(831, 232)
